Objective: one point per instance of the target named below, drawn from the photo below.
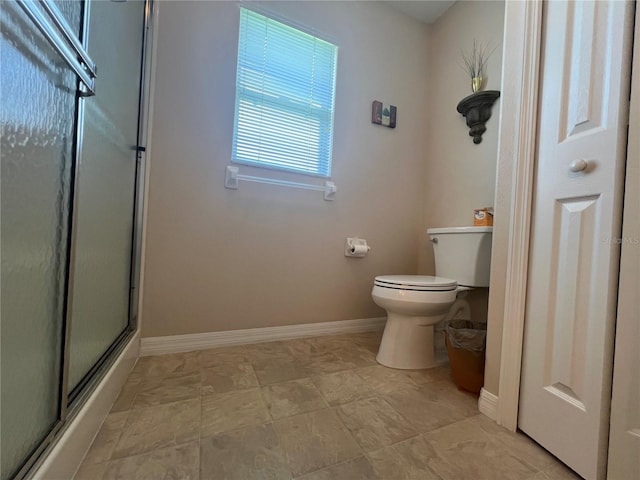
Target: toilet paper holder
(356, 247)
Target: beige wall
(264, 255)
(459, 175)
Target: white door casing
(514, 186)
(624, 439)
(573, 268)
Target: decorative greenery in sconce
(474, 64)
(476, 108)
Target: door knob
(578, 165)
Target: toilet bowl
(415, 303)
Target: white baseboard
(201, 341)
(488, 404)
(68, 453)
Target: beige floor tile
(232, 410)
(316, 440)
(432, 406)
(249, 453)
(223, 356)
(174, 364)
(280, 369)
(407, 460)
(429, 375)
(292, 398)
(277, 362)
(369, 341)
(357, 356)
(338, 361)
(327, 362)
(157, 391)
(342, 387)
(265, 351)
(90, 471)
(173, 463)
(357, 469)
(350, 353)
(467, 451)
(227, 377)
(106, 439)
(385, 409)
(331, 342)
(539, 476)
(464, 401)
(386, 380)
(374, 423)
(559, 471)
(160, 426)
(518, 444)
(127, 395)
(300, 348)
(284, 350)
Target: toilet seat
(420, 283)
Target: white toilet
(415, 303)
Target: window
(284, 97)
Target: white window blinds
(284, 97)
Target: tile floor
(311, 409)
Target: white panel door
(572, 286)
(624, 439)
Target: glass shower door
(100, 285)
(37, 140)
(68, 199)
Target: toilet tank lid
(440, 231)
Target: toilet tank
(463, 254)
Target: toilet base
(407, 343)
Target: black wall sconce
(476, 108)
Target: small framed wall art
(383, 114)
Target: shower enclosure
(71, 180)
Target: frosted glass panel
(37, 118)
(71, 10)
(100, 310)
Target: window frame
(286, 105)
